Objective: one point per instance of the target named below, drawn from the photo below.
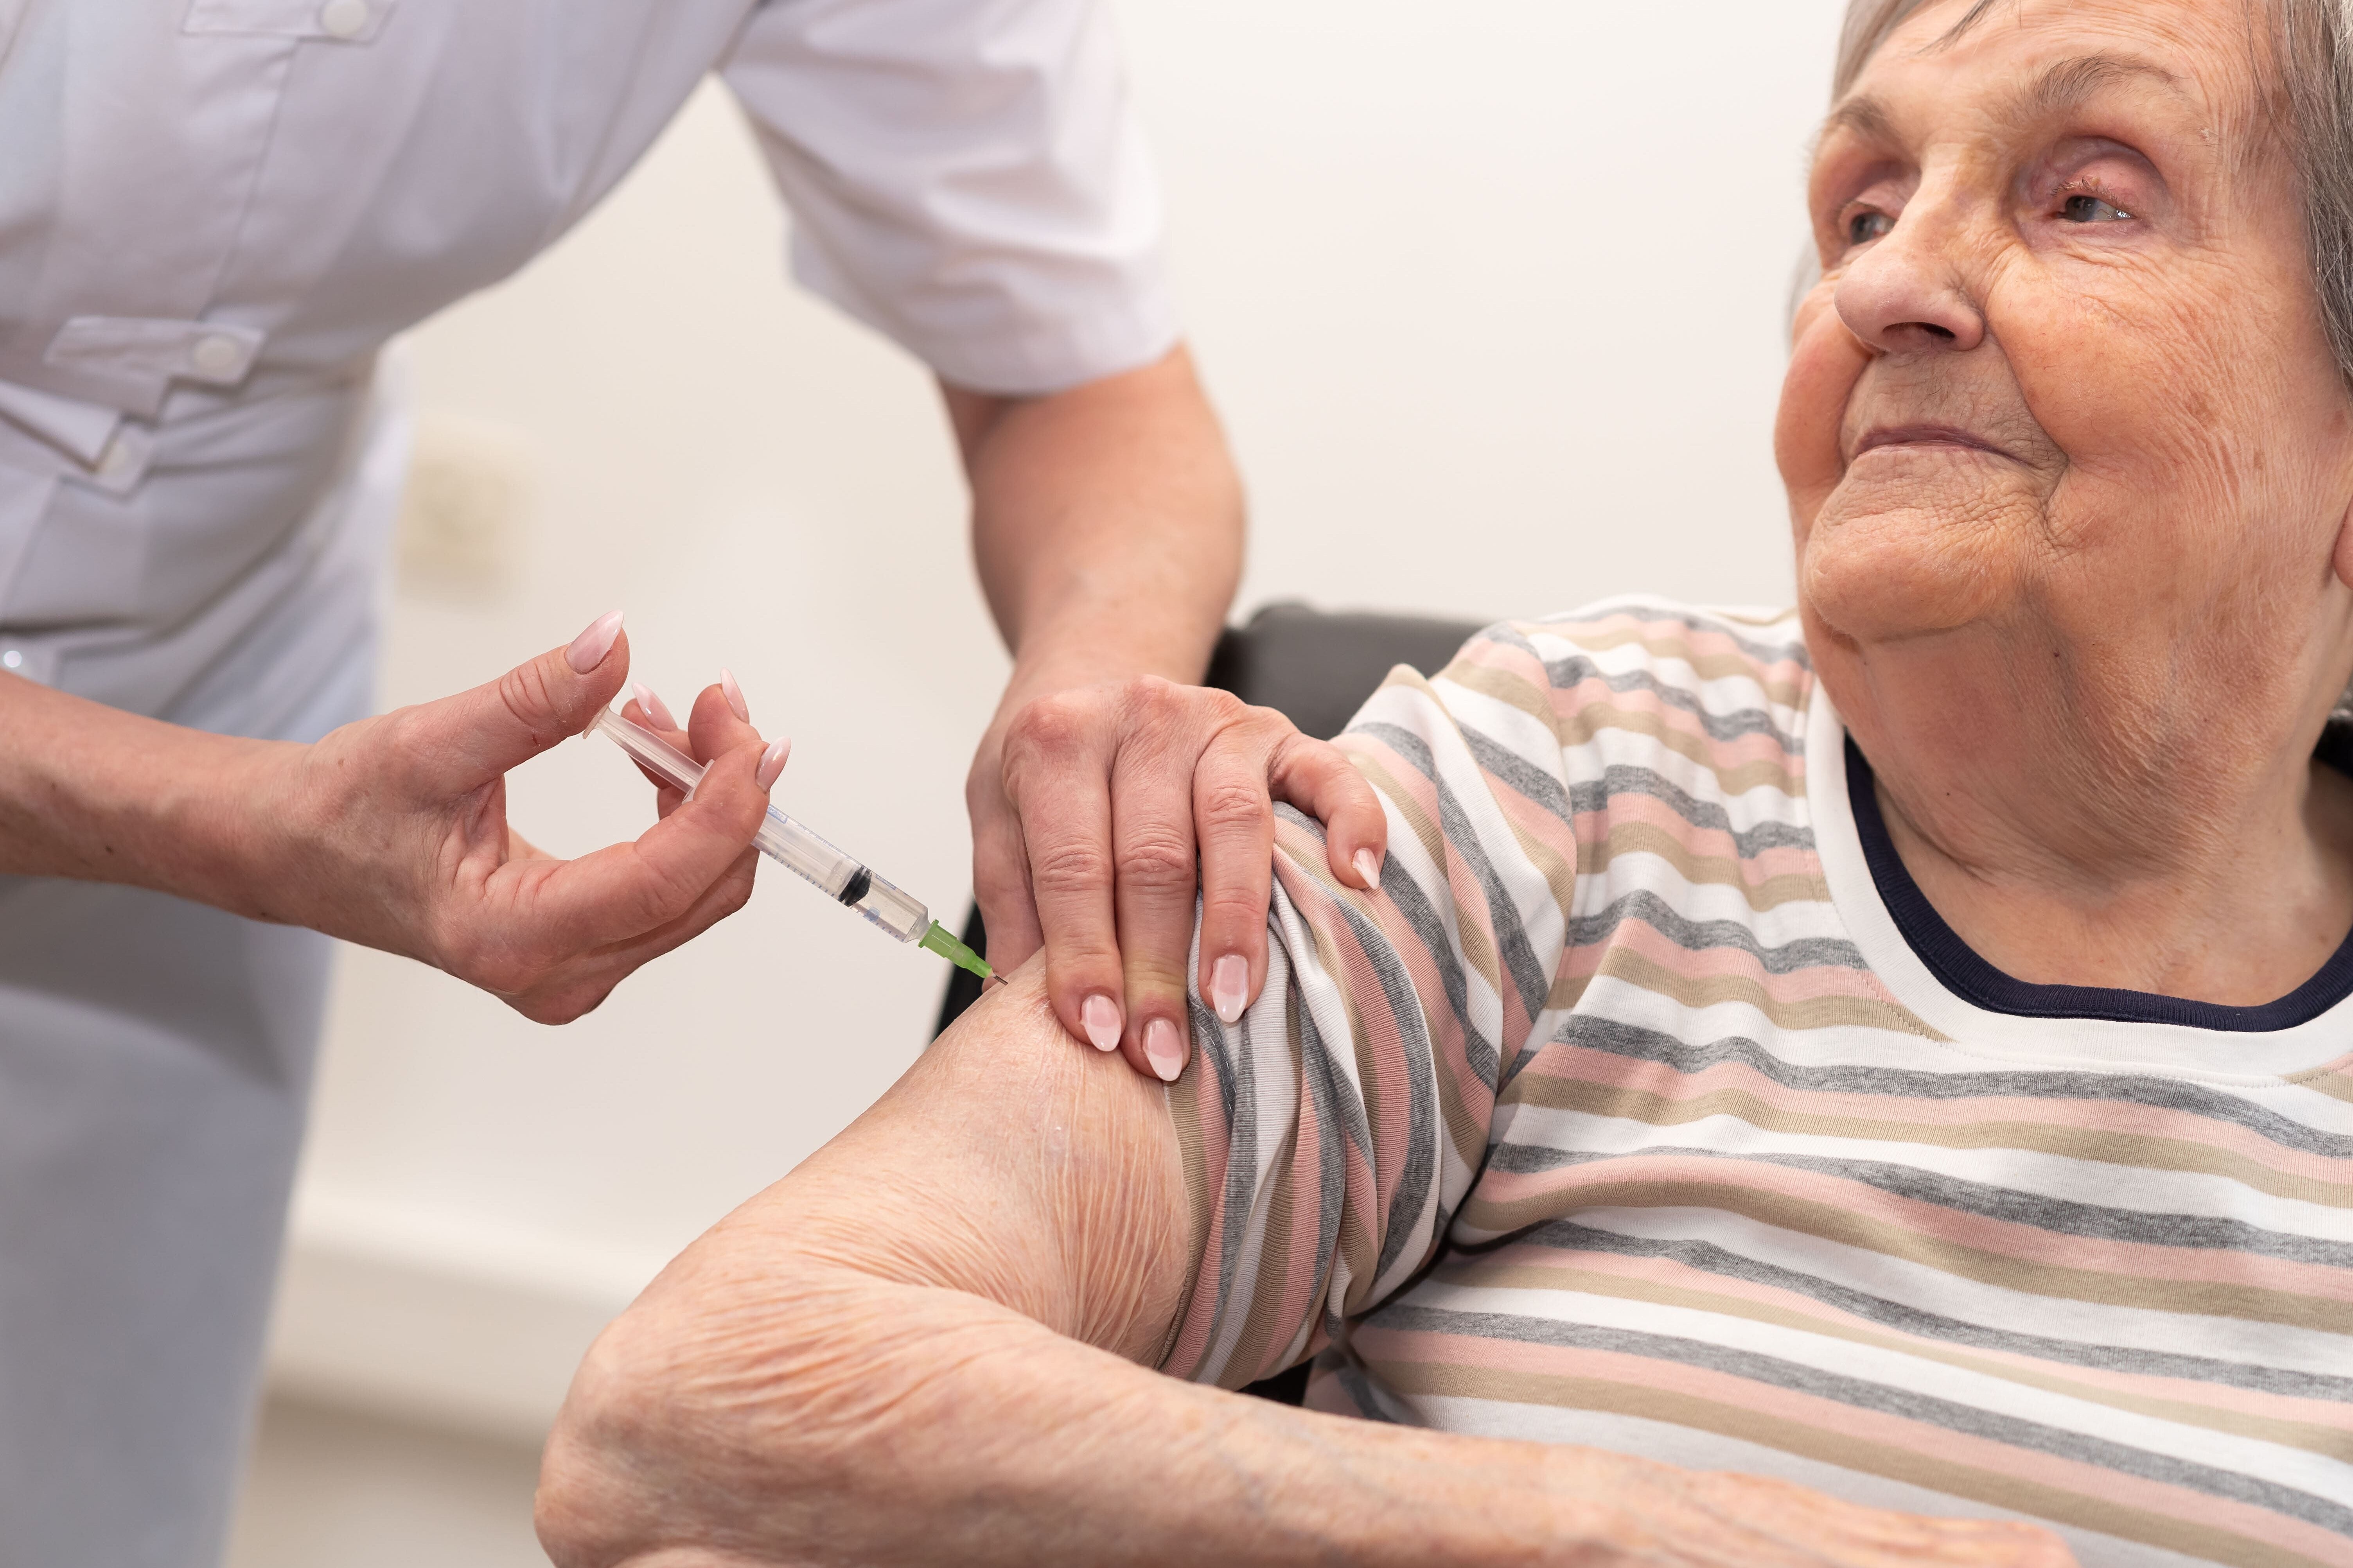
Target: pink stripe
(1673, 1274)
(1668, 1173)
(1939, 1444)
(1895, 1112)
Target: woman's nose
(1904, 295)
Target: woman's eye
(2090, 209)
(1865, 226)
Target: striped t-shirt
(1626, 1115)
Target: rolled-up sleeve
(967, 176)
(1329, 1136)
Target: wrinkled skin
(920, 1347)
(2070, 480)
(2069, 464)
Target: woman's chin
(1887, 576)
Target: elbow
(592, 1509)
(742, 1399)
(695, 1422)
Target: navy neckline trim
(1962, 972)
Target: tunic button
(12, 659)
(216, 356)
(343, 18)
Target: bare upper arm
(1010, 1164)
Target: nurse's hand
(392, 831)
(1091, 808)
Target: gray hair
(2313, 45)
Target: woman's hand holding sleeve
(1098, 812)
(392, 831)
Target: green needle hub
(939, 940)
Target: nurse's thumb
(532, 706)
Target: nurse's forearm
(1107, 523)
(91, 791)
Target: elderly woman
(1866, 1084)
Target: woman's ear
(2341, 559)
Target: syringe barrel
(782, 840)
(843, 879)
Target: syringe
(799, 850)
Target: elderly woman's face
(2066, 366)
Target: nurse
(213, 214)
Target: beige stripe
(1631, 968)
(1718, 870)
(1183, 1102)
(2335, 1443)
(2200, 1298)
(1665, 644)
(2334, 1081)
(1579, 728)
(1867, 1457)
(2136, 1150)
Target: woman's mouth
(1946, 435)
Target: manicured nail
(1368, 868)
(1101, 1019)
(1230, 987)
(772, 761)
(589, 649)
(1163, 1049)
(653, 707)
(734, 694)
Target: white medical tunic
(213, 214)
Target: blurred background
(1491, 296)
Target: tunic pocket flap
(336, 21)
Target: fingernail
(589, 649)
(1101, 1019)
(772, 761)
(1163, 1049)
(1368, 868)
(1230, 987)
(734, 694)
(654, 707)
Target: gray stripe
(2058, 1216)
(1513, 771)
(1356, 1385)
(1340, 1117)
(1417, 1059)
(1730, 725)
(1429, 931)
(1698, 936)
(1707, 1257)
(1233, 1052)
(1861, 1395)
(1532, 978)
(1587, 795)
(1621, 1039)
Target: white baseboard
(422, 1319)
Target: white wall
(1491, 296)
